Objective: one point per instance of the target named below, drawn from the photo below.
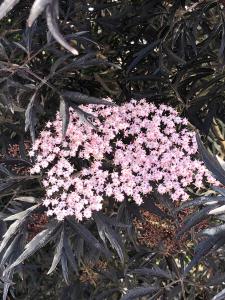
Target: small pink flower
(31, 153)
(161, 189)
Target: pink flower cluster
(136, 147)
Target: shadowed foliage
(60, 53)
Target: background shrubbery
(168, 52)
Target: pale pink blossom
(136, 147)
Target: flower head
(137, 146)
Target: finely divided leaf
(202, 250)
(116, 242)
(16, 226)
(12, 230)
(153, 208)
(106, 231)
(5, 185)
(29, 116)
(83, 115)
(218, 210)
(10, 249)
(219, 190)
(194, 219)
(22, 214)
(39, 241)
(88, 237)
(54, 29)
(65, 115)
(201, 201)
(79, 99)
(59, 62)
(142, 54)
(211, 162)
(5, 171)
(58, 253)
(220, 295)
(64, 265)
(37, 8)
(214, 230)
(70, 255)
(28, 199)
(6, 6)
(7, 279)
